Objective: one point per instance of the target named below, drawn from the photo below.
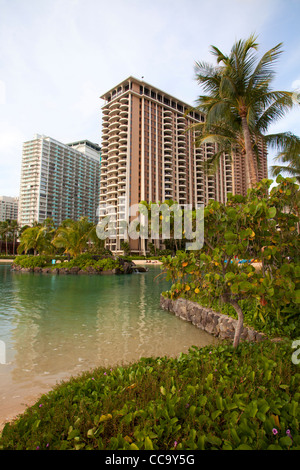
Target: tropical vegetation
(84, 262)
(262, 227)
(240, 396)
(71, 238)
(9, 231)
(211, 398)
(240, 105)
(288, 159)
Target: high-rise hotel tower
(8, 208)
(148, 154)
(59, 181)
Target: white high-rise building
(8, 208)
(59, 181)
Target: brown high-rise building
(148, 154)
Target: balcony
(167, 145)
(113, 144)
(123, 126)
(112, 139)
(114, 105)
(113, 118)
(111, 176)
(122, 168)
(123, 132)
(168, 124)
(124, 100)
(114, 127)
(168, 115)
(124, 107)
(123, 120)
(112, 199)
(181, 126)
(123, 146)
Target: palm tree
(14, 228)
(1, 235)
(289, 155)
(240, 99)
(31, 239)
(73, 236)
(37, 238)
(5, 232)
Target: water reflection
(56, 326)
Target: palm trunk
(249, 153)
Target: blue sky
(58, 56)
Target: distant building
(148, 154)
(59, 181)
(8, 208)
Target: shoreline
(16, 408)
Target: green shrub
(86, 260)
(25, 261)
(211, 398)
(107, 264)
(261, 226)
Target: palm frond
(263, 73)
(288, 170)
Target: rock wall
(217, 324)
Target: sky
(57, 57)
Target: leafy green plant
(25, 261)
(257, 227)
(107, 264)
(210, 398)
(86, 260)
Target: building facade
(8, 208)
(148, 154)
(59, 181)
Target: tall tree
(14, 229)
(33, 238)
(73, 236)
(5, 232)
(239, 98)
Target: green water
(57, 326)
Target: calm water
(57, 326)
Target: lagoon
(57, 326)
